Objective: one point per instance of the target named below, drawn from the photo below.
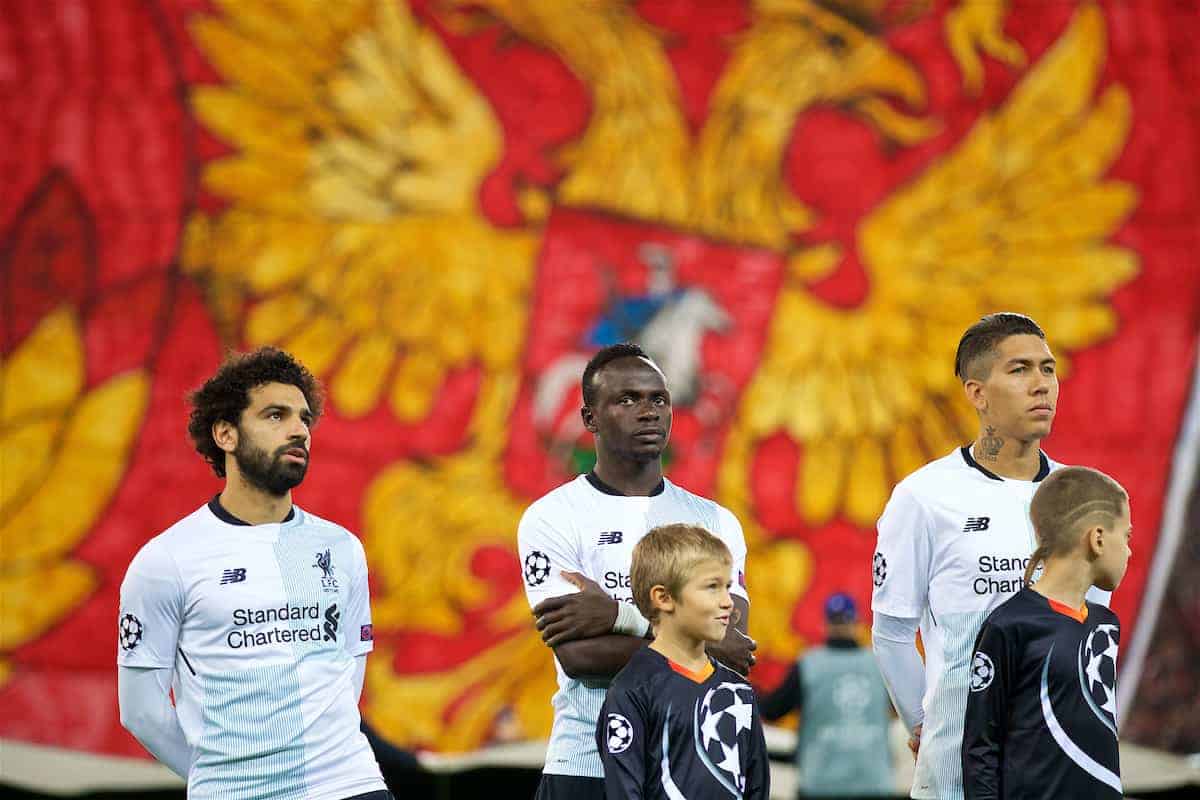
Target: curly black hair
(226, 395)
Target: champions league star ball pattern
(878, 569)
(852, 694)
(1098, 669)
(725, 711)
(982, 672)
(129, 631)
(620, 734)
(537, 568)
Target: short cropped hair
(602, 359)
(226, 395)
(667, 556)
(979, 342)
(1068, 501)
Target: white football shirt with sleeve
(584, 526)
(954, 541)
(262, 624)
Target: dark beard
(271, 474)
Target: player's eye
(275, 415)
(660, 401)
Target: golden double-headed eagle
(353, 237)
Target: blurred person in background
(842, 749)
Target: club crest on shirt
(1098, 672)
(721, 716)
(325, 564)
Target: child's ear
(1095, 542)
(661, 599)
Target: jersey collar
(220, 513)
(601, 486)
(695, 677)
(1043, 465)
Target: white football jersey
(261, 624)
(584, 526)
(954, 541)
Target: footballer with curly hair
(253, 611)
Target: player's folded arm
(598, 658)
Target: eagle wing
(66, 447)
(1016, 217)
(352, 231)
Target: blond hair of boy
(680, 580)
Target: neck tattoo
(989, 446)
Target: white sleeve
(151, 609)
(1098, 596)
(147, 713)
(901, 564)
(546, 549)
(731, 533)
(894, 641)
(360, 638)
(360, 675)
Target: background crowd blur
(443, 206)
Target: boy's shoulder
(1102, 614)
(1016, 609)
(724, 674)
(644, 667)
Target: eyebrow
(304, 412)
(1030, 361)
(640, 392)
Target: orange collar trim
(1077, 614)
(697, 677)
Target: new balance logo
(976, 524)
(233, 576)
(611, 537)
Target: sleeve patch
(982, 671)
(129, 631)
(619, 734)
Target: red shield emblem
(699, 308)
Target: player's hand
(588, 613)
(735, 651)
(914, 740)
